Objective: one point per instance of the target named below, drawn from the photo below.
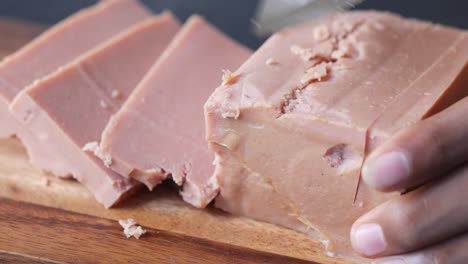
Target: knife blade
(273, 15)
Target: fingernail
(386, 170)
(390, 261)
(369, 240)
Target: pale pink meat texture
(160, 129)
(70, 108)
(60, 45)
(290, 136)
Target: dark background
(234, 16)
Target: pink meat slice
(70, 108)
(60, 45)
(291, 134)
(160, 129)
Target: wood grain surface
(47, 220)
(56, 235)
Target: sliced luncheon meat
(159, 131)
(60, 45)
(68, 110)
(291, 132)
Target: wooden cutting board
(47, 220)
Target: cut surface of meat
(65, 113)
(60, 45)
(160, 130)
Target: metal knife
(273, 15)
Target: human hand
(430, 224)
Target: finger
(416, 220)
(426, 150)
(451, 252)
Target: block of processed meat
(291, 132)
(66, 112)
(160, 129)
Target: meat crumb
(345, 50)
(271, 62)
(229, 78)
(303, 53)
(320, 51)
(131, 228)
(321, 33)
(127, 223)
(94, 148)
(231, 114)
(115, 94)
(315, 74)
